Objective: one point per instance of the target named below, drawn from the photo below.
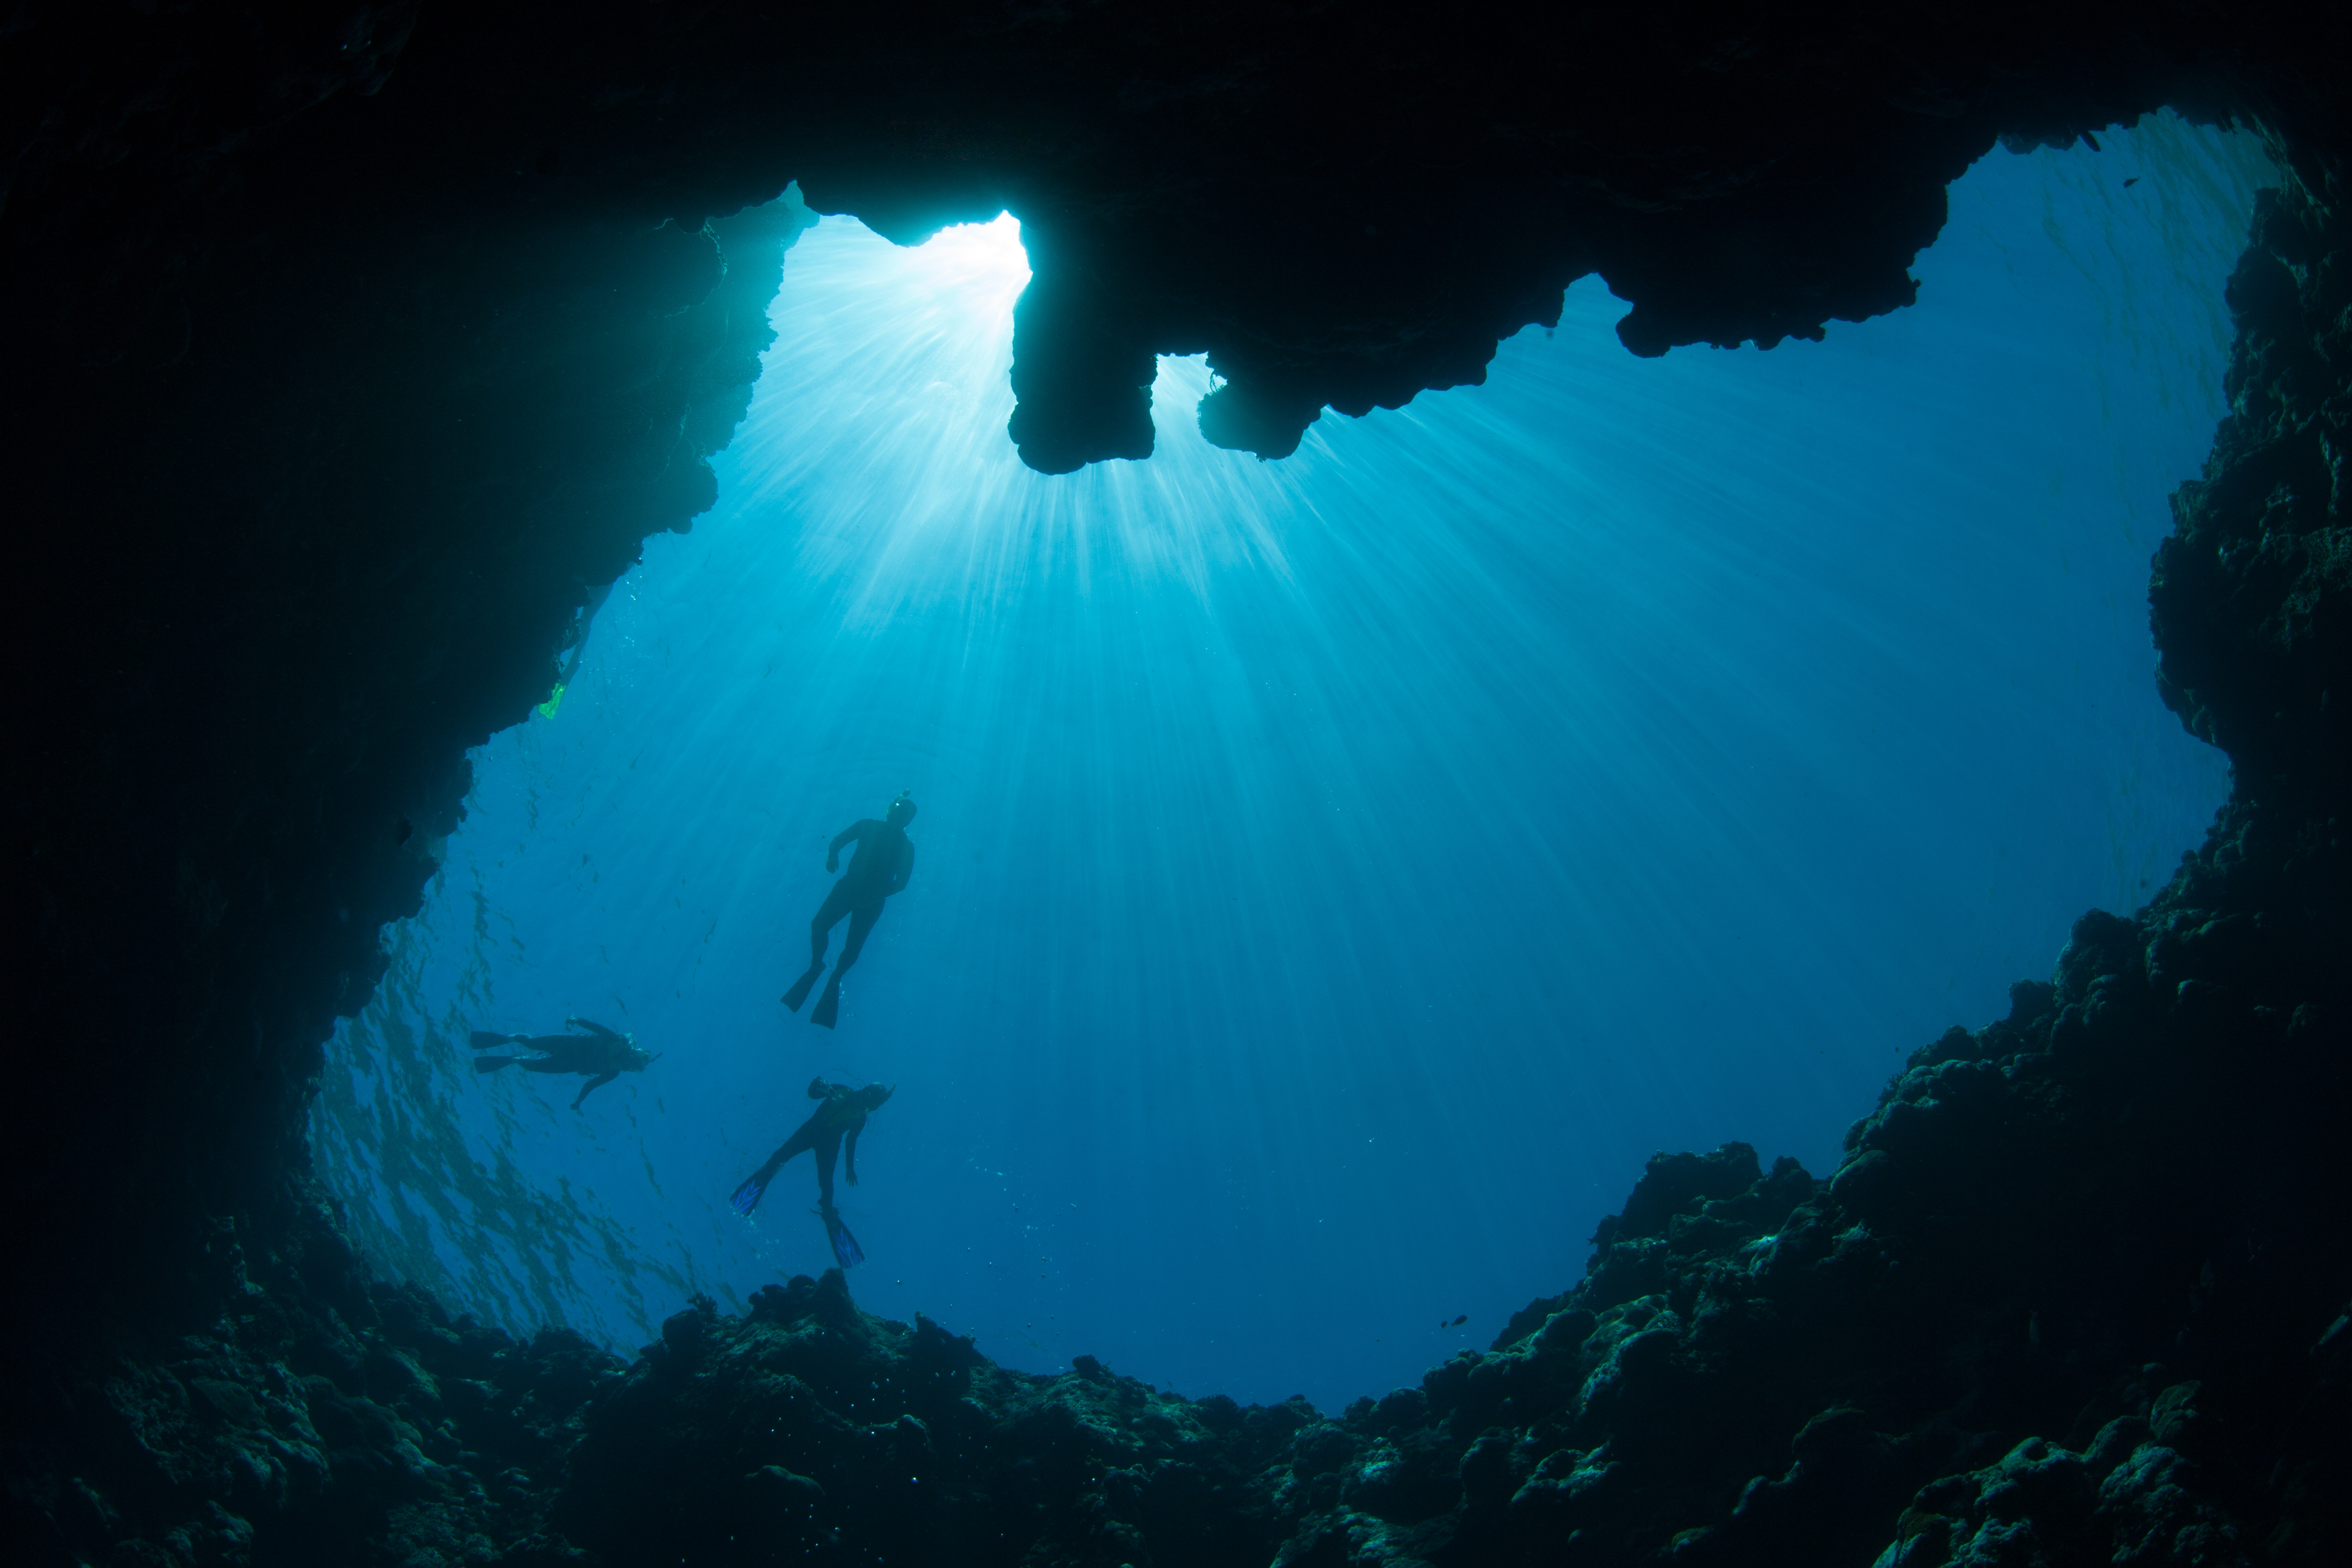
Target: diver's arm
(906, 869)
(593, 1085)
(849, 1150)
(851, 833)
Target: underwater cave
(1498, 627)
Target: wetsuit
(600, 1055)
(832, 1132)
(568, 666)
(884, 861)
(837, 1122)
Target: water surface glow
(1337, 876)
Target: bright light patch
(983, 262)
(877, 443)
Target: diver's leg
(845, 1245)
(827, 1153)
(828, 915)
(593, 1085)
(861, 926)
(747, 1196)
(800, 1142)
(861, 923)
(559, 1056)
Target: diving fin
(492, 1064)
(845, 1250)
(484, 1041)
(828, 1002)
(798, 993)
(747, 1196)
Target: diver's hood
(901, 812)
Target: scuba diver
(601, 1055)
(840, 1117)
(568, 666)
(883, 862)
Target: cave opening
(1337, 874)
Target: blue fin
(845, 1250)
(747, 1196)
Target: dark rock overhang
(1342, 204)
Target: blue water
(1338, 876)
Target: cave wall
(351, 347)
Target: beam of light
(895, 362)
(1337, 876)
(981, 265)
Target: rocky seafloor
(2058, 1305)
(401, 383)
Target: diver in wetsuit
(840, 1118)
(568, 668)
(885, 860)
(600, 1055)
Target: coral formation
(351, 347)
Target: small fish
(2094, 142)
(2130, 183)
(1456, 1323)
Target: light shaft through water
(1335, 877)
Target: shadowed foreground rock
(2077, 1295)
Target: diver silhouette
(601, 1055)
(840, 1117)
(885, 860)
(567, 669)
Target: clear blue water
(1338, 876)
